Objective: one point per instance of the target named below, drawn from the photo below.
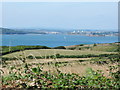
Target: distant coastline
(91, 33)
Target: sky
(60, 15)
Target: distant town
(94, 33)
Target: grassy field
(65, 65)
(106, 47)
(46, 52)
(90, 72)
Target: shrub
(60, 47)
(94, 44)
(72, 48)
(5, 49)
(30, 57)
(81, 45)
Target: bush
(94, 44)
(81, 45)
(30, 57)
(5, 49)
(60, 47)
(72, 48)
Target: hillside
(12, 31)
(81, 67)
(78, 67)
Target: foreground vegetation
(59, 70)
(36, 77)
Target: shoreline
(65, 34)
(63, 45)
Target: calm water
(53, 40)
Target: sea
(54, 40)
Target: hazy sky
(60, 15)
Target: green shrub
(81, 45)
(72, 48)
(94, 44)
(11, 49)
(60, 47)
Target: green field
(46, 52)
(76, 50)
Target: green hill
(11, 31)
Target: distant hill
(12, 31)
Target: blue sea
(53, 40)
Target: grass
(63, 72)
(46, 52)
(67, 65)
(107, 47)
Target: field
(78, 66)
(46, 52)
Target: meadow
(77, 67)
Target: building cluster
(94, 33)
